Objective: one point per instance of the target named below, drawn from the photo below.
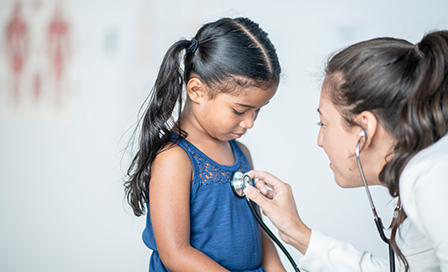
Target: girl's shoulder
(245, 151)
(172, 157)
(243, 148)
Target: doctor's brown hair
(406, 87)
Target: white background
(62, 205)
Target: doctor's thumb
(254, 195)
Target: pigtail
(155, 125)
(424, 117)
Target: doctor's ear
(368, 124)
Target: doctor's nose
(320, 138)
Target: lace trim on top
(209, 171)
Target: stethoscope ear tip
(362, 133)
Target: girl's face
(338, 141)
(227, 117)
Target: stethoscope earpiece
(362, 133)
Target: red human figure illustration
(58, 47)
(17, 46)
(37, 86)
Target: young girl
(182, 170)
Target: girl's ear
(196, 90)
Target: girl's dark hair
(227, 55)
(406, 87)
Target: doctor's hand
(277, 202)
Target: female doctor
(385, 100)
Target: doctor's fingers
(272, 208)
(253, 194)
(267, 178)
(265, 189)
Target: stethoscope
(376, 218)
(238, 183)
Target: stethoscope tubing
(269, 232)
(376, 218)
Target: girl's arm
(169, 201)
(271, 261)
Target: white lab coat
(424, 195)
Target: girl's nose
(248, 121)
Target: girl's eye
(320, 124)
(238, 113)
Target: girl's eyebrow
(249, 106)
(319, 111)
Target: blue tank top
(221, 224)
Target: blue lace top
(221, 224)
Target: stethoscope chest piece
(239, 182)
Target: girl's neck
(219, 151)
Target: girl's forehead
(253, 95)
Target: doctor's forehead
(324, 102)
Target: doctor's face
(339, 142)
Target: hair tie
(417, 49)
(193, 46)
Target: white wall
(61, 196)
